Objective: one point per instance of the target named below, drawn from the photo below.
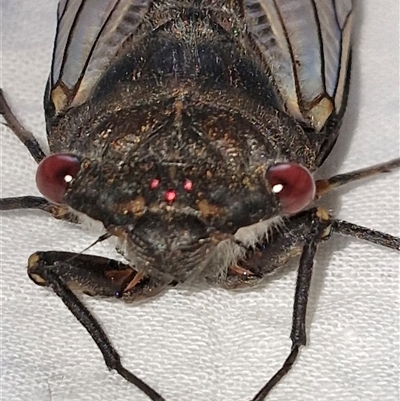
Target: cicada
(190, 133)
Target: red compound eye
(53, 175)
(293, 184)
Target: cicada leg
(318, 231)
(94, 275)
(300, 234)
(25, 136)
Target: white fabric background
(210, 345)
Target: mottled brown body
(187, 133)
(188, 98)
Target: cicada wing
(306, 46)
(90, 33)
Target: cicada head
(173, 183)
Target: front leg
(303, 284)
(94, 275)
(299, 234)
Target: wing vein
(69, 40)
(290, 47)
(321, 43)
(92, 49)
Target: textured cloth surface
(210, 344)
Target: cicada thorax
(190, 47)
